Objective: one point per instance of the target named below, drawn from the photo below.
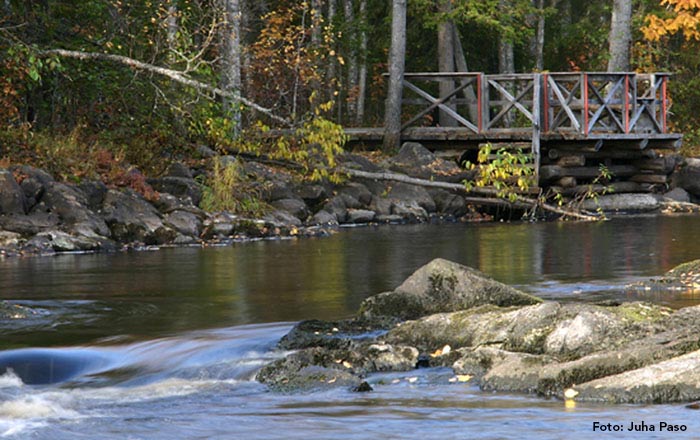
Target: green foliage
(505, 170)
(228, 189)
(314, 146)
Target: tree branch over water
(488, 196)
(175, 75)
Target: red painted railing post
(663, 104)
(546, 101)
(627, 103)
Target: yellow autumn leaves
(684, 17)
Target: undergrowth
(229, 189)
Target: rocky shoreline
(42, 216)
(491, 335)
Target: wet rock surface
(442, 286)
(621, 353)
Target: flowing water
(166, 344)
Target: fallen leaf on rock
(570, 393)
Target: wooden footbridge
(570, 122)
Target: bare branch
(175, 75)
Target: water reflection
(150, 294)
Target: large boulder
(623, 203)
(562, 331)
(443, 286)
(30, 224)
(415, 160)
(403, 194)
(184, 222)
(356, 191)
(688, 176)
(448, 203)
(185, 188)
(12, 199)
(71, 206)
(312, 194)
(33, 182)
(293, 206)
(357, 162)
(133, 219)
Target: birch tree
(231, 60)
(397, 63)
(362, 74)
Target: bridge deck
(438, 138)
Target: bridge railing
(582, 103)
(460, 103)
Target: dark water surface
(174, 337)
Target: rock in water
(443, 286)
(674, 380)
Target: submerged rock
(684, 277)
(442, 286)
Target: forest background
(88, 87)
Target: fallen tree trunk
(488, 196)
(175, 75)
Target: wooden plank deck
(438, 138)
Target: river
(171, 339)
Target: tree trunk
(506, 58)
(362, 80)
(539, 37)
(231, 60)
(172, 29)
(461, 64)
(351, 84)
(446, 59)
(620, 36)
(316, 15)
(397, 62)
(331, 73)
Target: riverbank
(41, 216)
